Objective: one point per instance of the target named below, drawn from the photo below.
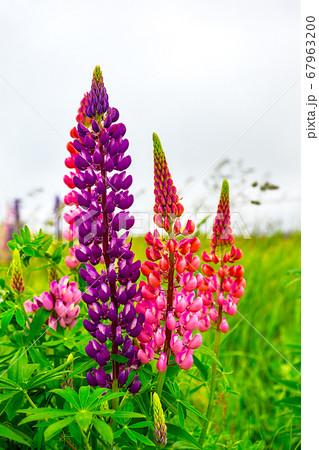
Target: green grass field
(260, 355)
(265, 403)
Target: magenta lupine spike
(167, 205)
(62, 300)
(17, 283)
(102, 223)
(224, 286)
(169, 303)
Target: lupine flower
(17, 283)
(223, 286)
(171, 308)
(103, 200)
(70, 199)
(62, 300)
(160, 431)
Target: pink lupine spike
(221, 291)
(168, 301)
(61, 301)
(164, 184)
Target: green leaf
(19, 318)
(15, 370)
(119, 358)
(48, 375)
(49, 413)
(38, 320)
(143, 438)
(7, 395)
(56, 427)
(84, 394)
(118, 433)
(192, 409)
(82, 368)
(108, 397)
(14, 435)
(145, 423)
(104, 430)
(69, 395)
(27, 234)
(12, 245)
(84, 419)
(27, 371)
(130, 435)
(203, 369)
(14, 404)
(127, 414)
(28, 250)
(181, 414)
(6, 319)
(179, 432)
(57, 254)
(38, 358)
(93, 398)
(18, 239)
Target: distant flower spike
(160, 431)
(223, 286)
(222, 232)
(17, 283)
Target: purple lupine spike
(102, 223)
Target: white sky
(199, 74)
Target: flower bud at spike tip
(160, 429)
(17, 279)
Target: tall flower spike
(103, 199)
(17, 283)
(160, 431)
(167, 205)
(223, 286)
(168, 302)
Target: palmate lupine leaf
(56, 427)
(43, 413)
(8, 432)
(103, 429)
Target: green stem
(31, 401)
(210, 409)
(85, 440)
(160, 383)
(115, 403)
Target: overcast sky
(213, 79)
